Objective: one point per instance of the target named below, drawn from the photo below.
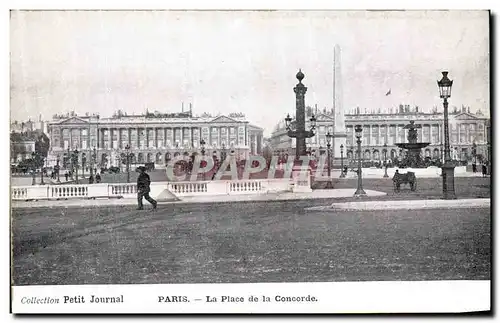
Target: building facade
(388, 128)
(153, 137)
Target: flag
(388, 92)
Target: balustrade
(129, 190)
(19, 193)
(68, 191)
(122, 189)
(245, 186)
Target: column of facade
(70, 144)
(182, 136)
(467, 129)
(110, 135)
(156, 129)
(138, 132)
(353, 136)
(255, 144)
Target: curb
(404, 205)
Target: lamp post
(474, 154)
(58, 169)
(41, 162)
(127, 161)
(300, 133)
(353, 156)
(75, 164)
(359, 191)
(448, 169)
(342, 174)
(329, 137)
(202, 144)
(71, 163)
(33, 168)
(93, 161)
(223, 153)
(84, 162)
(385, 160)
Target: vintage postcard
(237, 161)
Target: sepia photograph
(243, 161)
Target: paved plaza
(246, 242)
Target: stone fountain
(413, 158)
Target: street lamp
(353, 155)
(58, 169)
(41, 162)
(474, 154)
(75, 164)
(93, 161)
(202, 144)
(385, 160)
(223, 153)
(127, 161)
(342, 174)
(71, 164)
(448, 168)
(329, 137)
(300, 133)
(33, 168)
(359, 192)
(84, 161)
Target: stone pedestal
(301, 179)
(448, 174)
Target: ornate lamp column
(41, 160)
(84, 162)
(385, 161)
(33, 168)
(474, 152)
(342, 174)
(58, 169)
(75, 164)
(94, 160)
(448, 169)
(329, 137)
(127, 161)
(300, 133)
(202, 144)
(359, 191)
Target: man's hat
(141, 168)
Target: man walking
(143, 188)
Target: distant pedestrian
(143, 188)
(66, 175)
(474, 167)
(98, 178)
(485, 171)
(91, 179)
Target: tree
(42, 145)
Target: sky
(243, 61)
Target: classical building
(466, 128)
(153, 137)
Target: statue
(412, 132)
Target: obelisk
(339, 131)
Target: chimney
(182, 106)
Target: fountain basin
(413, 146)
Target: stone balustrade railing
(129, 190)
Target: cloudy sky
(238, 61)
